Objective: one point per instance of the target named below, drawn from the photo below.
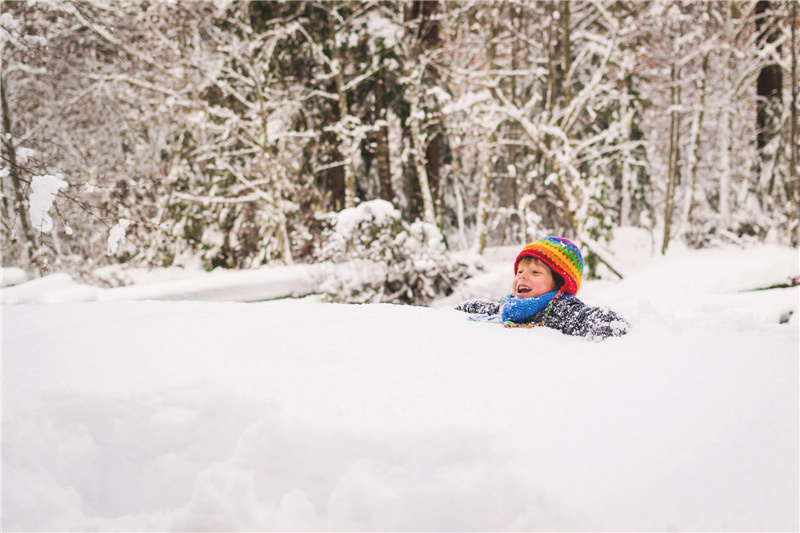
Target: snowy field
(124, 415)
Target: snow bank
(12, 276)
(242, 286)
(292, 415)
(54, 288)
(684, 282)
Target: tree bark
(769, 93)
(421, 200)
(10, 154)
(725, 166)
(726, 133)
(694, 143)
(674, 144)
(566, 47)
(382, 142)
(418, 154)
(347, 169)
(770, 79)
(433, 166)
(488, 155)
(433, 152)
(483, 201)
(794, 179)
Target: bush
(376, 257)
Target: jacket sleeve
(480, 307)
(573, 317)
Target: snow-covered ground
(297, 415)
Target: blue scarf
(519, 309)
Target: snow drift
(296, 415)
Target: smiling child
(547, 276)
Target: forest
(236, 135)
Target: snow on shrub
(380, 258)
(43, 194)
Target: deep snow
(296, 415)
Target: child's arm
(479, 307)
(573, 317)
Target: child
(547, 277)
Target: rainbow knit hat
(562, 256)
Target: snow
(380, 28)
(12, 276)
(24, 154)
(297, 415)
(244, 286)
(44, 191)
(684, 282)
(8, 27)
(117, 235)
(377, 212)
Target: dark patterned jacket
(568, 315)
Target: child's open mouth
(521, 289)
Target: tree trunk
(770, 79)
(725, 167)
(415, 172)
(462, 238)
(625, 172)
(694, 150)
(433, 152)
(566, 47)
(336, 182)
(433, 165)
(423, 148)
(794, 179)
(338, 76)
(410, 179)
(769, 93)
(10, 155)
(418, 152)
(482, 220)
(382, 142)
(483, 201)
(550, 97)
(674, 144)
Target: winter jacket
(568, 315)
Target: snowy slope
(295, 415)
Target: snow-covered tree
(223, 134)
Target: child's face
(533, 279)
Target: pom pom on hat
(563, 258)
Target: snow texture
(44, 191)
(305, 416)
(12, 276)
(296, 415)
(117, 235)
(243, 286)
(375, 212)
